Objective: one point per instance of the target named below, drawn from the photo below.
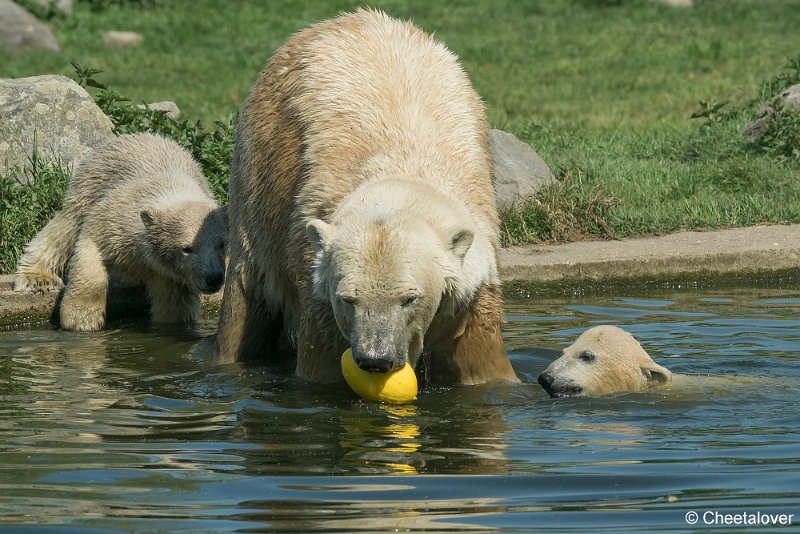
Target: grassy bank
(603, 89)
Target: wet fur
(362, 104)
(605, 359)
(132, 207)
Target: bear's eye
(408, 300)
(187, 250)
(587, 356)
(350, 301)
(221, 245)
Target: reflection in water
(360, 505)
(134, 430)
(377, 444)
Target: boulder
(676, 3)
(115, 39)
(19, 30)
(51, 114)
(169, 108)
(519, 172)
(791, 99)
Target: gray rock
(115, 39)
(519, 172)
(168, 107)
(51, 113)
(791, 99)
(676, 3)
(19, 30)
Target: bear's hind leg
(47, 254)
(172, 303)
(83, 308)
(36, 279)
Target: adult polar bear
(362, 209)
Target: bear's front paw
(36, 282)
(82, 316)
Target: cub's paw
(37, 282)
(82, 316)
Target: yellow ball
(396, 387)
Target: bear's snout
(375, 365)
(378, 358)
(378, 339)
(564, 389)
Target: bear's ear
(656, 375)
(222, 217)
(148, 218)
(461, 241)
(319, 233)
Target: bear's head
(387, 263)
(186, 243)
(605, 359)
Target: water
(132, 430)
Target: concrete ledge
(17, 309)
(26, 309)
(758, 252)
(736, 256)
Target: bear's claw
(37, 282)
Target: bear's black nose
(546, 381)
(215, 279)
(375, 365)
(562, 389)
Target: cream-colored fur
(605, 359)
(138, 206)
(362, 209)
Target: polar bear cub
(138, 206)
(604, 359)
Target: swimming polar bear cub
(605, 359)
(138, 206)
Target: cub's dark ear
(148, 218)
(222, 216)
(656, 375)
(460, 242)
(319, 234)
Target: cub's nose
(215, 279)
(560, 388)
(546, 381)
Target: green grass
(604, 90)
(26, 209)
(631, 63)
(211, 147)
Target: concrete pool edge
(764, 254)
(19, 310)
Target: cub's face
(604, 359)
(188, 243)
(385, 284)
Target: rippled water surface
(133, 430)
